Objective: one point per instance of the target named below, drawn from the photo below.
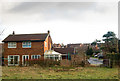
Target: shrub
(114, 59)
(89, 52)
(82, 63)
(43, 62)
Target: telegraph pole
(117, 45)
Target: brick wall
(75, 60)
(37, 48)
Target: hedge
(43, 63)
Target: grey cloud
(40, 6)
(51, 10)
(56, 10)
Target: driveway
(95, 61)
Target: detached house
(19, 47)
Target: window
(13, 59)
(25, 58)
(45, 44)
(26, 44)
(35, 56)
(46, 56)
(11, 44)
(54, 57)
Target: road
(95, 61)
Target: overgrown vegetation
(89, 51)
(43, 63)
(59, 72)
(114, 59)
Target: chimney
(48, 32)
(13, 33)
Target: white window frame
(47, 56)
(25, 44)
(25, 58)
(45, 44)
(34, 56)
(13, 60)
(59, 57)
(12, 44)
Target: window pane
(10, 60)
(26, 44)
(11, 57)
(35, 56)
(32, 56)
(38, 56)
(16, 59)
(26, 57)
(11, 44)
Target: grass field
(59, 73)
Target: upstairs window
(11, 44)
(26, 44)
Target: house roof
(64, 50)
(26, 37)
(73, 45)
(56, 45)
(52, 52)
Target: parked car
(100, 56)
(95, 55)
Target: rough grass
(59, 73)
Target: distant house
(21, 47)
(65, 52)
(79, 47)
(57, 45)
(74, 45)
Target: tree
(110, 42)
(96, 46)
(89, 51)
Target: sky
(68, 22)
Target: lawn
(59, 73)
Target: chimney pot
(48, 31)
(13, 32)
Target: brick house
(56, 45)
(21, 47)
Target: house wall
(49, 43)
(37, 48)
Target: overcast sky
(68, 22)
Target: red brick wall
(37, 48)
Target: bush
(43, 62)
(82, 63)
(89, 52)
(114, 59)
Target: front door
(25, 58)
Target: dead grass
(59, 73)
